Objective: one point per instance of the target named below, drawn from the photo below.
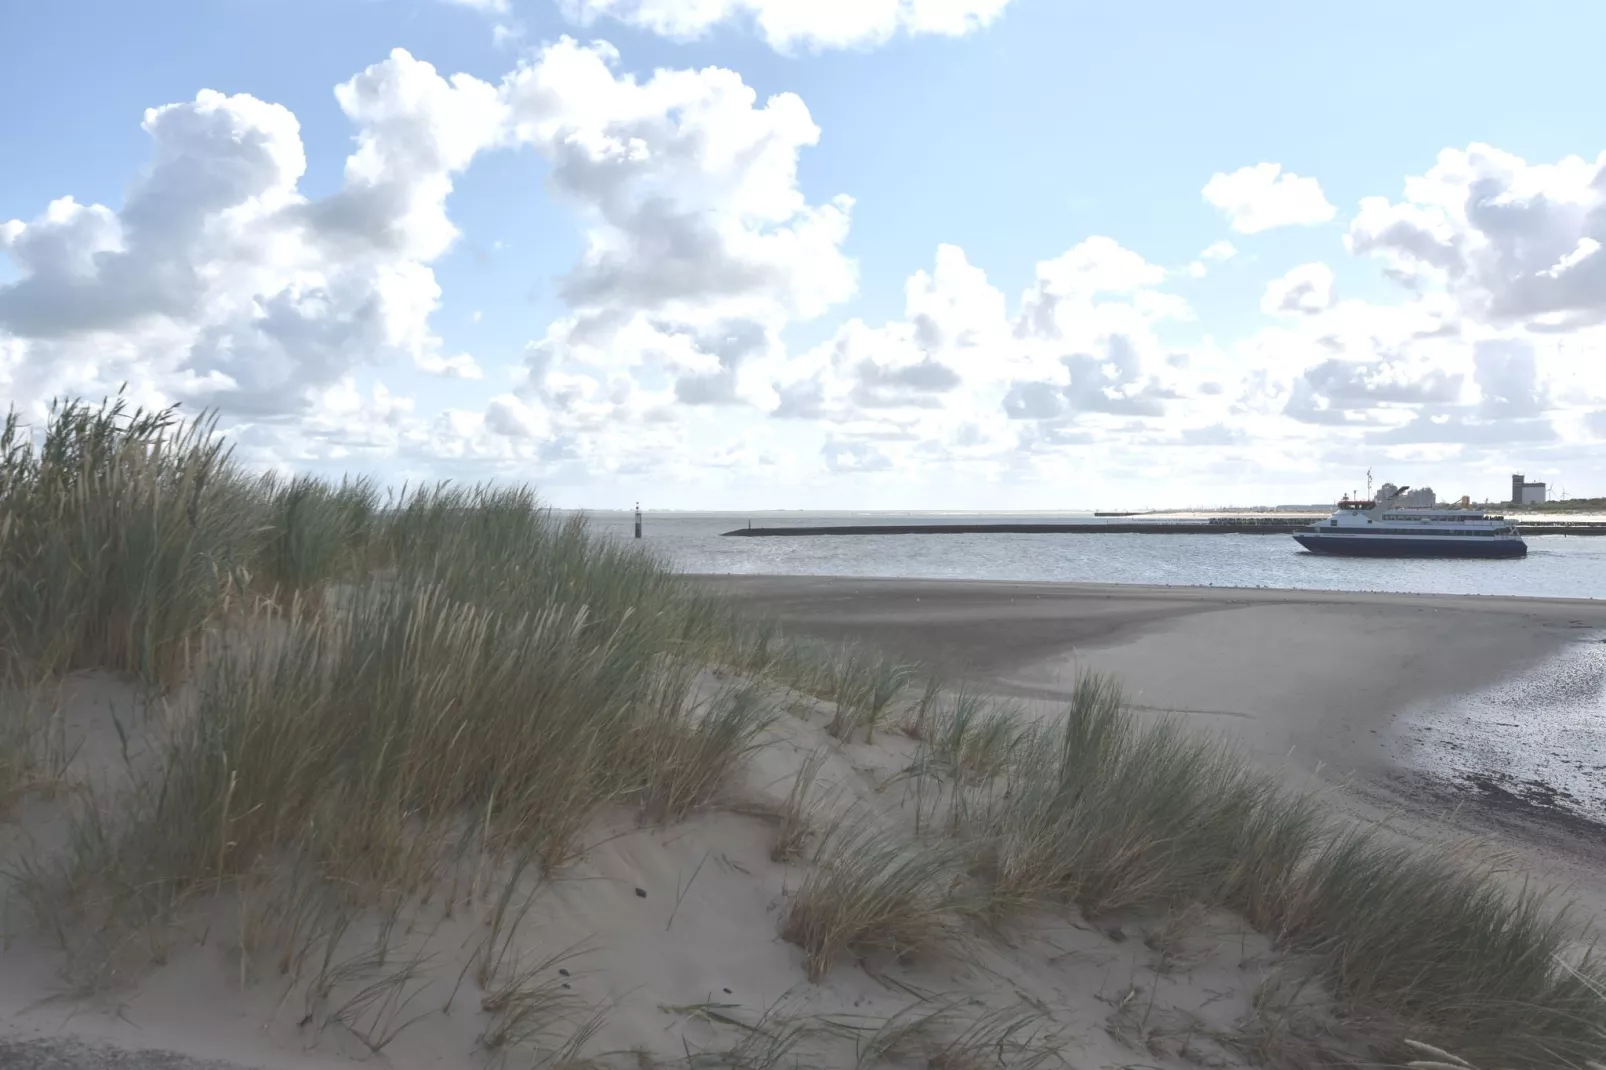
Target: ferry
(1378, 529)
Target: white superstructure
(1382, 528)
(1407, 497)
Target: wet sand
(1348, 687)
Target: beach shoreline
(1316, 683)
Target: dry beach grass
(378, 742)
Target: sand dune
(669, 936)
(663, 946)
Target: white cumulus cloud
(793, 24)
(1214, 253)
(955, 331)
(1513, 242)
(219, 281)
(1265, 196)
(700, 246)
(677, 356)
(963, 379)
(1306, 289)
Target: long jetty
(1213, 526)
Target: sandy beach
(1313, 682)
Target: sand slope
(668, 936)
(660, 947)
(1316, 683)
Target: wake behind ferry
(1381, 529)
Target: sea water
(1557, 566)
(1539, 736)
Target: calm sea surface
(1556, 566)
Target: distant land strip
(1219, 526)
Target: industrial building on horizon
(1525, 493)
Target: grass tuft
(874, 890)
(799, 814)
(864, 687)
(315, 532)
(972, 740)
(529, 1006)
(688, 755)
(1438, 940)
(1112, 816)
(122, 534)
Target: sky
(987, 255)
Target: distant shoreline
(1221, 525)
(1590, 515)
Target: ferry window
(1332, 523)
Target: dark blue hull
(1433, 546)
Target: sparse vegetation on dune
(1112, 816)
(484, 661)
(1435, 938)
(798, 815)
(371, 703)
(874, 889)
(1115, 815)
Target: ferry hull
(1436, 546)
